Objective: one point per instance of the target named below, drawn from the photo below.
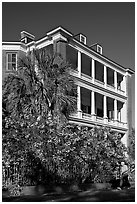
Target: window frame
(73, 62)
(83, 55)
(7, 63)
(99, 49)
(84, 38)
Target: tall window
(110, 76)
(72, 56)
(99, 71)
(11, 61)
(85, 100)
(86, 64)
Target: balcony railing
(122, 124)
(74, 72)
(86, 115)
(110, 86)
(100, 83)
(86, 77)
(99, 119)
(111, 122)
(89, 79)
(120, 91)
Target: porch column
(115, 79)
(119, 115)
(105, 76)
(105, 109)
(93, 105)
(115, 110)
(124, 113)
(93, 70)
(123, 84)
(79, 102)
(79, 63)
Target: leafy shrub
(14, 189)
(74, 154)
(78, 154)
(36, 107)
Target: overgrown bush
(14, 190)
(75, 155)
(37, 101)
(79, 154)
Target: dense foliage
(39, 93)
(131, 148)
(131, 154)
(80, 154)
(37, 101)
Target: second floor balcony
(96, 120)
(93, 71)
(96, 108)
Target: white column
(93, 105)
(105, 76)
(91, 101)
(119, 116)
(79, 102)
(105, 107)
(115, 110)
(93, 70)
(115, 79)
(124, 113)
(79, 63)
(123, 84)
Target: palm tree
(37, 100)
(42, 87)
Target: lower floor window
(11, 61)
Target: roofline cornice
(71, 37)
(28, 33)
(130, 71)
(99, 55)
(11, 43)
(60, 28)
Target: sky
(111, 24)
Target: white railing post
(79, 102)
(124, 113)
(93, 105)
(115, 110)
(93, 70)
(79, 63)
(115, 79)
(105, 110)
(123, 84)
(105, 76)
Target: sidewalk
(127, 195)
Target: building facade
(103, 86)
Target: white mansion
(104, 87)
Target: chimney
(97, 47)
(26, 37)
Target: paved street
(127, 195)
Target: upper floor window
(119, 80)
(99, 71)
(11, 61)
(86, 63)
(82, 39)
(72, 56)
(99, 49)
(110, 76)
